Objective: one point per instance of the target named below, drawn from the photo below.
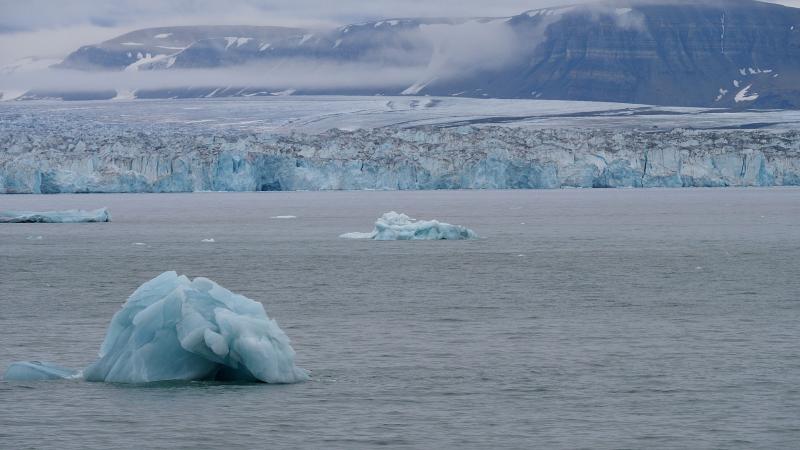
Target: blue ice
(174, 328)
(35, 370)
(394, 226)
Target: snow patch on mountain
(745, 96)
(416, 88)
(145, 61)
(239, 41)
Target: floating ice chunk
(393, 226)
(174, 328)
(208, 240)
(35, 371)
(69, 216)
(283, 217)
(358, 235)
(140, 244)
(34, 238)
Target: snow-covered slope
(153, 47)
(315, 114)
(723, 53)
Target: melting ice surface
(394, 226)
(35, 370)
(68, 216)
(173, 328)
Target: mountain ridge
(726, 53)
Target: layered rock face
(723, 53)
(107, 160)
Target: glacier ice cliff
(41, 159)
(393, 226)
(173, 328)
(68, 216)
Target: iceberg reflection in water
(173, 328)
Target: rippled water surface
(582, 318)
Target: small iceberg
(283, 217)
(173, 328)
(394, 226)
(68, 216)
(208, 240)
(38, 371)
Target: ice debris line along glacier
(68, 216)
(394, 226)
(173, 328)
(105, 159)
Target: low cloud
(432, 52)
(43, 14)
(51, 43)
(53, 28)
(277, 76)
(471, 45)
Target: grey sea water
(581, 319)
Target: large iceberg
(68, 216)
(174, 328)
(394, 226)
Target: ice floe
(394, 226)
(68, 216)
(37, 371)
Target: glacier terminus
(408, 148)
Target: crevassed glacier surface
(394, 226)
(107, 160)
(174, 328)
(68, 216)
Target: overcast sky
(53, 28)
